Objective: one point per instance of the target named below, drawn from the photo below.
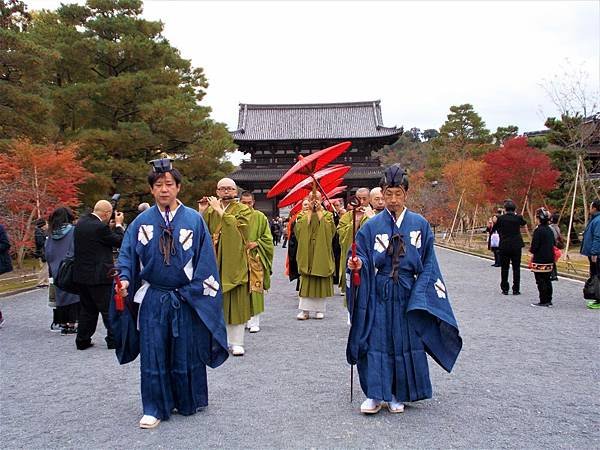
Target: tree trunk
(21, 248)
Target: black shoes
(504, 292)
(68, 330)
(516, 292)
(547, 305)
(84, 346)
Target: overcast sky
(417, 58)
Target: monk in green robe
(228, 222)
(314, 231)
(345, 232)
(260, 260)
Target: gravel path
(525, 379)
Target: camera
(114, 201)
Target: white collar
(171, 213)
(400, 217)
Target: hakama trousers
(395, 364)
(172, 341)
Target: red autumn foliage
(34, 180)
(516, 170)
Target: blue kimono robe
(399, 315)
(177, 308)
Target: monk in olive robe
(314, 231)
(228, 222)
(345, 231)
(260, 260)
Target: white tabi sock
(235, 335)
(253, 322)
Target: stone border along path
(527, 378)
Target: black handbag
(591, 289)
(64, 278)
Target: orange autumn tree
(520, 172)
(465, 181)
(34, 180)
(428, 199)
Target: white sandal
(148, 422)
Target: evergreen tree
(504, 133)
(24, 106)
(464, 126)
(127, 96)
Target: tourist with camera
(94, 242)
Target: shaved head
(102, 206)
(103, 209)
(226, 190)
(226, 182)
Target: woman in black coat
(5, 262)
(542, 249)
(60, 242)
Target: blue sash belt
(172, 296)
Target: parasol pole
(317, 184)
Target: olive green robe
(230, 235)
(344, 230)
(315, 254)
(260, 232)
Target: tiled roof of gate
(311, 121)
(255, 174)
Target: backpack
(64, 278)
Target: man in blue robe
(174, 316)
(400, 312)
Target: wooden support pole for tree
(572, 210)
(455, 215)
(582, 180)
(473, 224)
(587, 177)
(562, 210)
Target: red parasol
(307, 166)
(327, 179)
(336, 191)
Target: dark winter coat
(542, 245)
(94, 242)
(5, 262)
(56, 248)
(509, 227)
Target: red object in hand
(355, 272)
(119, 301)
